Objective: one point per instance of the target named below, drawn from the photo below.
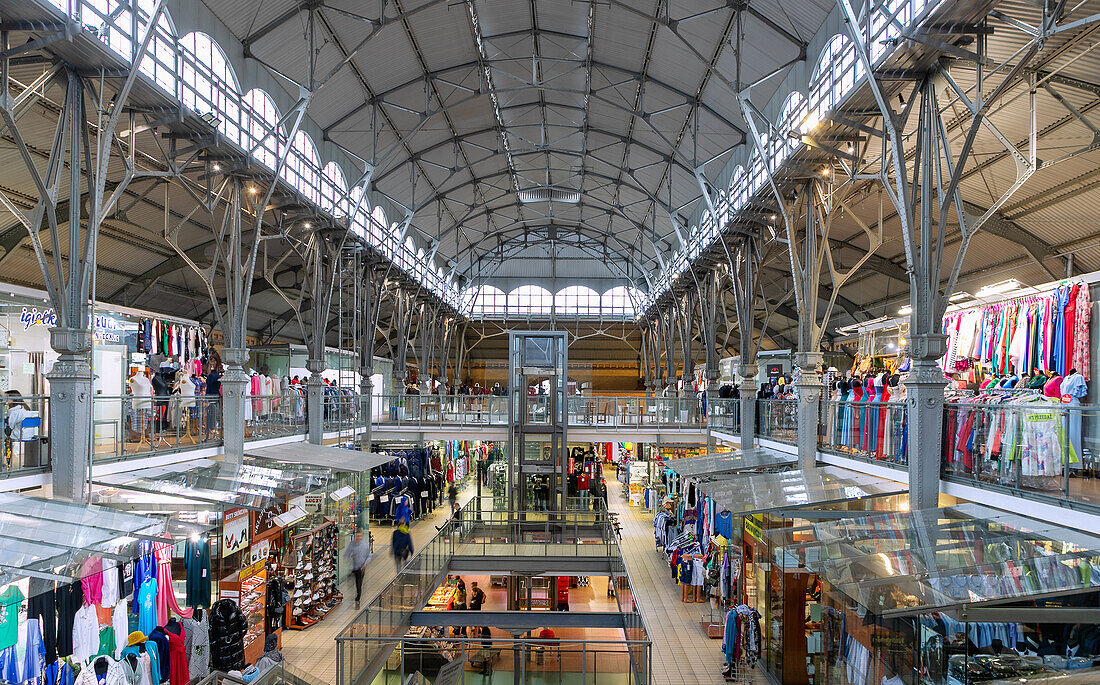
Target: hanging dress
(857, 406)
(884, 410)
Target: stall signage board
(106, 328)
(264, 521)
(312, 502)
(753, 526)
(251, 570)
(259, 551)
(342, 493)
(234, 531)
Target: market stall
(957, 595)
(256, 554)
(718, 545)
(86, 587)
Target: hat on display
(135, 638)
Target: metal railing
(612, 412)
(1045, 448)
(25, 424)
(778, 420)
(505, 659)
(378, 629)
(870, 431)
(275, 416)
(126, 425)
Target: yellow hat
(136, 637)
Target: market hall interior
(549, 341)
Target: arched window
(530, 300)
(262, 118)
(208, 83)
(834, 76)
(577, 300)
(334, 190)
(738, 188)
(791, 119)
(378, 224)
(303, 166)
(358, 221)
(619, 301)
(489, 301)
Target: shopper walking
(452, 495)
(358, 554)
(402, 546)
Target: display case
(776, 586)
(248, 587)
(952, 596)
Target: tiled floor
(681, 653)
(314, 650)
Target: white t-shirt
(110, 588)
(120, 621)
(85, 634)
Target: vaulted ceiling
(609, 105)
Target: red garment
(1070, 327)
(882, 411)
(177, 652)
(964, 441)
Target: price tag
(384, 498)
(423, 493)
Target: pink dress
(166, 593)
(1082, 313)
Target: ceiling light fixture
(1000, 288)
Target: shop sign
(313, 502)
(263, 521)
(251, 570)
(754, 524)
(259, 551)
(107, 329)
(234, 531)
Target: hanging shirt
(120, 621)
(91, 580)
(109, 587)
(147, 606)
(85, 633)
(9, 616)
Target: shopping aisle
(681, 653)
(313, 650)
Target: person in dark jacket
(227, 628)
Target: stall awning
(204, 481)
(802, 488)
(335, 458)
(970, 554)
(730, 462)
(40, 537)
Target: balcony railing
(871, 431)
(275, 416)
(125, 425)
(612, 412)
(777, 420)
(25, 421)
(1041, 449)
